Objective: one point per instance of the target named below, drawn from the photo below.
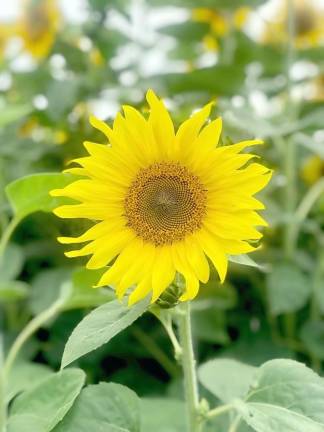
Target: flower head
(308, 24)
(164, 202)
(219, 23)
(38, 26)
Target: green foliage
(279, 399)
(107, 407)
(288, 288)
(98, 327)
(40, 408)
(227, 379)
(25, 375)
(31, 193)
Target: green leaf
(163, 415)
(31, 193)
(11, 262)
(25, 375)
(99, 326)
(245, 260)
(11, 291)
(312, 335)
(103, 407)
(288, 288)
(226, 378)
(42, 407)
(286, 396)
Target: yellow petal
(161, 124)
(197, 259)
(214, 252)
(163, 271)
(101, 126)
(141, 291)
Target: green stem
(235, 424)
(154, 349)
(8, 233)
(189, 369)
(28, 331)
(219, 410)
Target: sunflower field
(161, 216)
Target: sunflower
(219, 23)
(308, 24)
(164, 202)
(38, 26)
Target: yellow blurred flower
(308, 24)
(313, 170)
(219, 23)
(163, 201)
(5, 33)
(60, 136)
(96, 58)
(38, 26)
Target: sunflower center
(164, 203)
(304, 21)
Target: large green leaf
(163, 415)
(103, 407)
(226, 378)
(42, 407)
(285, 396)
(288, 288)
(25, 375)
(31, 193)
(99, 326)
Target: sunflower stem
(189, 369)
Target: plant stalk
(189, 369)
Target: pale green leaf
(285, 396)
(245, 260)
(25, 375)
(99, 326)
(106, 407)
(163, 415)
(31, 193)
(42, 407)
(288, 288)
(226, 378)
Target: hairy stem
(189, 369)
